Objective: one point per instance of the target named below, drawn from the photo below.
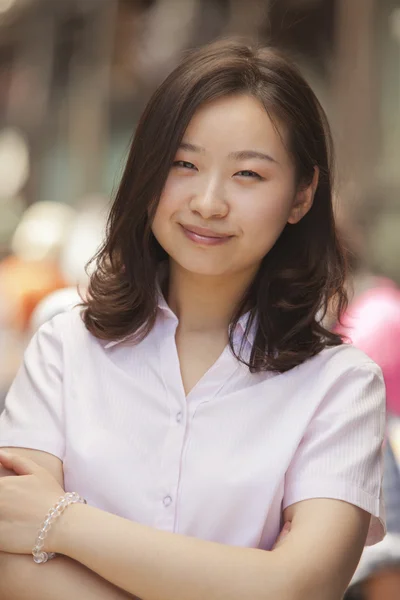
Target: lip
(203, 236)
(205, 232)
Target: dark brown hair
(301, 275)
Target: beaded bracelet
(40, 556)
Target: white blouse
(221, 463)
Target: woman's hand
(24, 503)
(281, 537)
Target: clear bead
(69, 498)
(40, 558)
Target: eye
(184, 164)
(249, 174)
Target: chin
(205, 268)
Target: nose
(210, 202)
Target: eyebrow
(240, 155)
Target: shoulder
(67, 330)
(63, 322)
(341, 376)
(333, 362)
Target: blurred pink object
(372, 323)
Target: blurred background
(74, 78)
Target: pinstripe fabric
(386, 554)
(218, 464)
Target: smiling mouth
(205, 236)
(205, 232)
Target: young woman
(196, 401)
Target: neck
(202, 302)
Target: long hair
(300, 276)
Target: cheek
(269, 214)
(264, 221)
(168, 206)
(170, 200)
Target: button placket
(175, 435)
(225, 367)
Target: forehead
(236, 122)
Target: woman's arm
(59, 579)
(316, 562)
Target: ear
(304, 200)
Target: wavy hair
(299, 278)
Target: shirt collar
(242, 324)
(163, 306)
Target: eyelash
(254, 175)
(183, 164)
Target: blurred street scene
(74, 78)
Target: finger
(19, 464)
(284, 532)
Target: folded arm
(61, 578)
(315, 562)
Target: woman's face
(230, 192)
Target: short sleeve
(33, 413)
(341, 453)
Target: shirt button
(179, 417)
(167, 500)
